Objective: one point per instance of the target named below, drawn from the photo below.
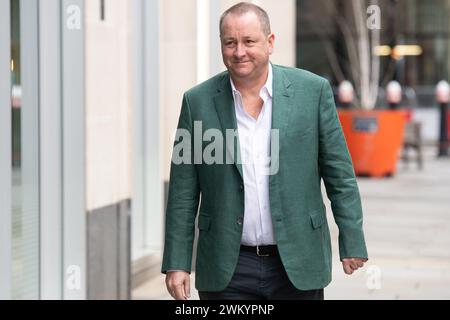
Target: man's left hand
(350, 265)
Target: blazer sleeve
(183, 198)
(337, 172)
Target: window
(25, 154)
(321, 40)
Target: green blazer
(312, 147)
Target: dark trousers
(261, 278)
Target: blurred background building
(323, 29)
(90, 93)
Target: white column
(203, 40)
(137, 203)
(51, 150)
(153, 186)
(74, 154)
(216, 63)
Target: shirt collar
(267, 86)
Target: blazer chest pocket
(204, 222)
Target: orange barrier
(374, 139)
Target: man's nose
(240, 51)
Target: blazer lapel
(283, 100)
(224, 104)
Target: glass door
(24, 151)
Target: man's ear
(271, 40)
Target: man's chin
(240, 73)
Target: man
(263, 234)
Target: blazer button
(239, 221)
(241, 186)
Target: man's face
(245, 47)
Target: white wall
(108, 104)
(178, 66)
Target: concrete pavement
(407, 228)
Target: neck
(251, 85)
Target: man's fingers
(357, 263)
(179, 294)
(171, 290)
(347, 268)
(177, 291)
(187, 288)
(352, 264)
(169, 287)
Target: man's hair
(244, 7)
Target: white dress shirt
(254, 138)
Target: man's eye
(250, 41)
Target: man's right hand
(178, 284)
